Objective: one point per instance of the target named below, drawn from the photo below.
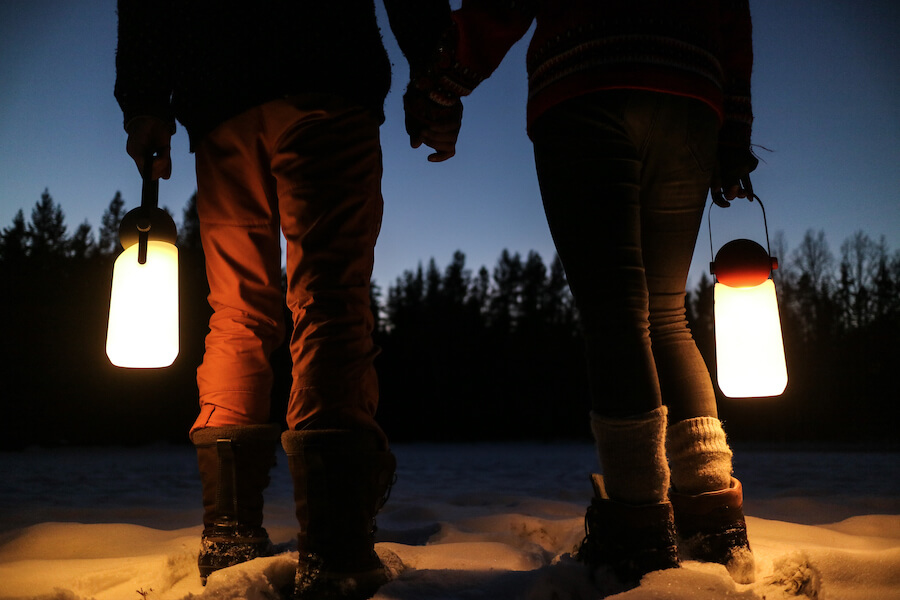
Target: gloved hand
(148, 135)
(731, 177)
(432, 119)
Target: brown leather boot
(631, 539)
(234, 470)
(341, 480)
(711, 528)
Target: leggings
(624, 176)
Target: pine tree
(81, 245)
(47, 230)
(189, 232)
(559, 301)
(533, 313)
(14, 241)
(108, 244)
(456, 281)
(504, 303)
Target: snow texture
(491, 521)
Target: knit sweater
(700, 49)
(204, 61)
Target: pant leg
(327, 164)
(589, 168)
(239, 230)
(624, 176)
(677, 169)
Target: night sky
(826, 97)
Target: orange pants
(310, 167)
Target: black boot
(633, 540)
(341, 480)
(711, 528)
(234, 470)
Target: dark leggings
(624, 177)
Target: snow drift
(492, 521)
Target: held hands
(731, 178)
(147, 135)
(435, 124)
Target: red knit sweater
(701, 49)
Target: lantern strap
(745, 181)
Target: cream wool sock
(632, 456)
(699, 456)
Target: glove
(148, 135)
(432, 102)
(731, 177)
(432, 119)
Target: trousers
(624, 177)
(308, 168)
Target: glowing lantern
(143, 308)
(749, 347)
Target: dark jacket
(204, 61)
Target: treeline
(466, 354)
(482, 355)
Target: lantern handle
(718, 200)
(149, 204)
(150, 187)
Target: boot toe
(315, 581)
(633, 540)
(221, 548)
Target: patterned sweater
(204, 61)
(700, 49)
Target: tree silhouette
(189, 232)
(505, 301)
(108, 244)
(14, 241)
(47, 230)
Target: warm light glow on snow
(494, 521)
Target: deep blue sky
(826, 96)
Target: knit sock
(632, 456)
(699, 456)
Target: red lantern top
(742, 263)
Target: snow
(492, 521)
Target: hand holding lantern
(143, 311)
(749, 348)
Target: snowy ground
(492, 521)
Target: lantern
(749, 347)
(143, 308)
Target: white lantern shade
(143, 309)
(749, 346)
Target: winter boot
(234, 470)
(707, 500)
(629, 524)
(631, 539)
(341, 480)
(711, 528)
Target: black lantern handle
(147, 221)
(719, 200)
(149, 204)
(150, 187)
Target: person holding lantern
(282, 104)
(635, 110)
